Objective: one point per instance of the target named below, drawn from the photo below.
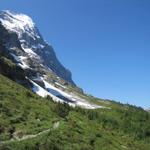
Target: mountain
(41, 108)
(25, 43)
(36, 64)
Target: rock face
(26, 46)
(27, 59)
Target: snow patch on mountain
(39, 90)
(59, 95)
(43, 93)
(29, 52)
(49, 86)
(21, 61)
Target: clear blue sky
(105, 43)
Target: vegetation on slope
(10, 69)
(24, 113)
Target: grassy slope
(23, 109)
(22, 112)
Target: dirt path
(26, 137)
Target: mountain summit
(25, 43)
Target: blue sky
(105, 43)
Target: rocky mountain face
(27, 59)
(25, 44)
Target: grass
(21, 111)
